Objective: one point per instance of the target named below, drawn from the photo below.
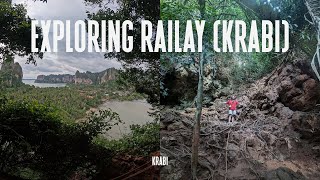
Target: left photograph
(75, 101)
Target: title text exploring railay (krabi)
(166, 36)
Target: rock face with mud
(276, 135)
(181, 81)
(296, 89)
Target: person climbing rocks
(232, 103)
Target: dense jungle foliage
(36, 143)
(229, 69)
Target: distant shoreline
(43, 85)
(43, 82)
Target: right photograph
(240, 91)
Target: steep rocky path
(275, 137)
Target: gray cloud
(63, 62)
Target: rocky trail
(277, 134)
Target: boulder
(175, 126)
(283, 173)
(307, 124)
(169, 116)
(233, 150)
(169, 141)
(172, 171)
(297, 90)
(190, 110)
(283, 112)
(244, 101)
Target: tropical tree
(140, 65)
(15, 32)
(195, 10)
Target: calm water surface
(130, 112)
(42, 85)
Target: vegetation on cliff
(10, 73)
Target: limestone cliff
(95, 78)
(108, 74)
(11, 73)
(80, 78)
(180, 81)
(61, 78)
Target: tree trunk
(196, 127)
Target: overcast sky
(62, 62)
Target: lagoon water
(42, 85)
(130, 112)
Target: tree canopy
(15, 32)
(143, 67)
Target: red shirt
(232, 104)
